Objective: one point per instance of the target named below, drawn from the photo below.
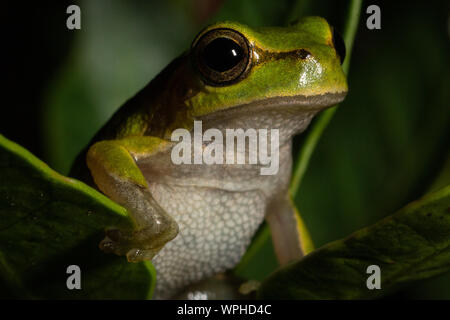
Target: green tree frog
(195, 221)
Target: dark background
(386, 146)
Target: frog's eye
(222, 56)
(339, 45)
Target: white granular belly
(216, 226)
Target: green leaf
(49, 222)
(413, 244)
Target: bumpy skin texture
(195, 221)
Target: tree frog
(197, 220)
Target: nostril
(303, 53)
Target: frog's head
(237, 66)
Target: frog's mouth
(294, 104)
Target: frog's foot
(249, 286)
(136, 245)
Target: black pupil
(222, 54)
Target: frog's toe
(136, 246)
(138, 255)
(110, 246)
(115, 241)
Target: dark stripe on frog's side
(267, 56)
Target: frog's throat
(298, 103)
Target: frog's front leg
(113, 166)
